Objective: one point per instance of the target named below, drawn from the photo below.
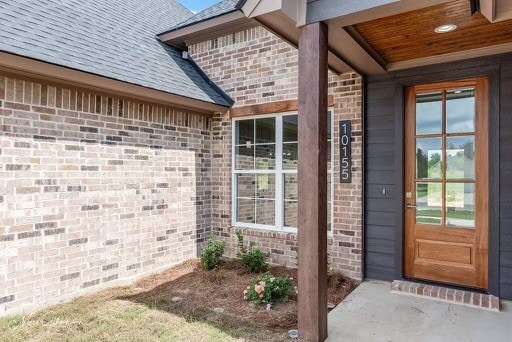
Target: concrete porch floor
(373, 313)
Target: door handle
(410, 206)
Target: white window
(265, 154)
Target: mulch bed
(189, 290)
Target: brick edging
(448, 295)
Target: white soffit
(496, 10)
(295, 9)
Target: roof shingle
(110, 38)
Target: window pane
(290, 186)
(460, 204)
(429, 203)
(329, 156)
(245, 210)
(290, 156)
(290, 128)
(460, 158)
(429, 157)
(265, 157)
(429, 113)
(460, 111)
(266, 186)
(291, 214)
(329, 201)
(265, 212)
(246, 185)
(244, 158)
(329, 125)
(266, 130)
(244, 132)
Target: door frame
(443, 74)
(479, 233)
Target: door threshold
(472, 299)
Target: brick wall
(254, 67)
(94, 190)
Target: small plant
(267, 289)
(253, 258)
(212, 253)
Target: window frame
(279, 173)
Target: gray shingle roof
(223, 7)
(111, 38)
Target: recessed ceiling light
(446, 28)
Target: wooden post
(312, 230)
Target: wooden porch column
(312, 230)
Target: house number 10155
(346, 151)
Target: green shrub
(212, 253)
(267, 289)
(253, 258)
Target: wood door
(446, 170)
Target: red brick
(477, 299)
(467, 298)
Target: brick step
(445, 294)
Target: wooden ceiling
(411, 35)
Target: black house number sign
(346, 151)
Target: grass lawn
(176, 305)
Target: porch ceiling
(409, 36)
(380, 36)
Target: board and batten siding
(384, 165)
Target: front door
(446, 184)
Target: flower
(259, 289)
(261, 295)
(269, 306)
(245, 292)
(245, 297)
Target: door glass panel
(429, 113)
(460, 111)
(460, 204)
(460, 157)
(429, 203)
(429, 158)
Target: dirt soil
(194, 293)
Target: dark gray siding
(506, 181)
(384, 163)
(380, 214)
